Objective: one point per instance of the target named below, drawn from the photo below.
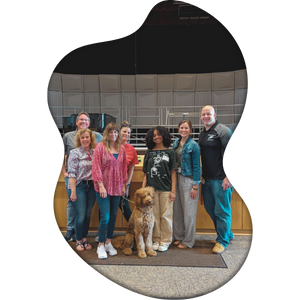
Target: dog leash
(127, 199)
(122, 203)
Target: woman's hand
(102, 192)
(73, 196)
(172, 196)
(193, 193)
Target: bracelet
(194, 189)
(173, 192)
(128, 184)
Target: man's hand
(226, 184)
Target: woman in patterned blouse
(110, 175)
(81, 184)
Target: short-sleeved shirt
(131, 155)
(213, 143)
(69, 142)
(158, 165)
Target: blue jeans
(70, 210)
(83, 206)
(108, 214)
(217, 204)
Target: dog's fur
(140, 224)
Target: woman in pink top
(109, 172)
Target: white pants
(185, 212)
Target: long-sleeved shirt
(109, 170)
(190, 159)
(80, 165)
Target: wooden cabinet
(241, 219)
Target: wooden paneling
(241, 219)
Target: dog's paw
(127, 251)
(142, 254)
(152, 253)
(118, 242)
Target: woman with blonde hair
(110, 175)
(81, 184)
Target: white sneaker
(163, 248)
(155, 246)
(101, 252)
(110, 249)
(97, 239)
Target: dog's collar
(145, 209)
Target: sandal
(176, 243)
(79, 247)
(182, 246)
(87, 245)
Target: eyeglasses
(83, 120)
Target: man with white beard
(216, 188)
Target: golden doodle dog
(140, 225)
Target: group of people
(101, 167)
(97, 168)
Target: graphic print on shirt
(155, 169)
(211, 137)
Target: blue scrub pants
(217, 204)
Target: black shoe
(69, 234)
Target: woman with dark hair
(188, 178)
(160, 172)
(132, 160)
(163, 132)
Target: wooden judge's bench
(241, 220)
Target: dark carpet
(199, 256)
